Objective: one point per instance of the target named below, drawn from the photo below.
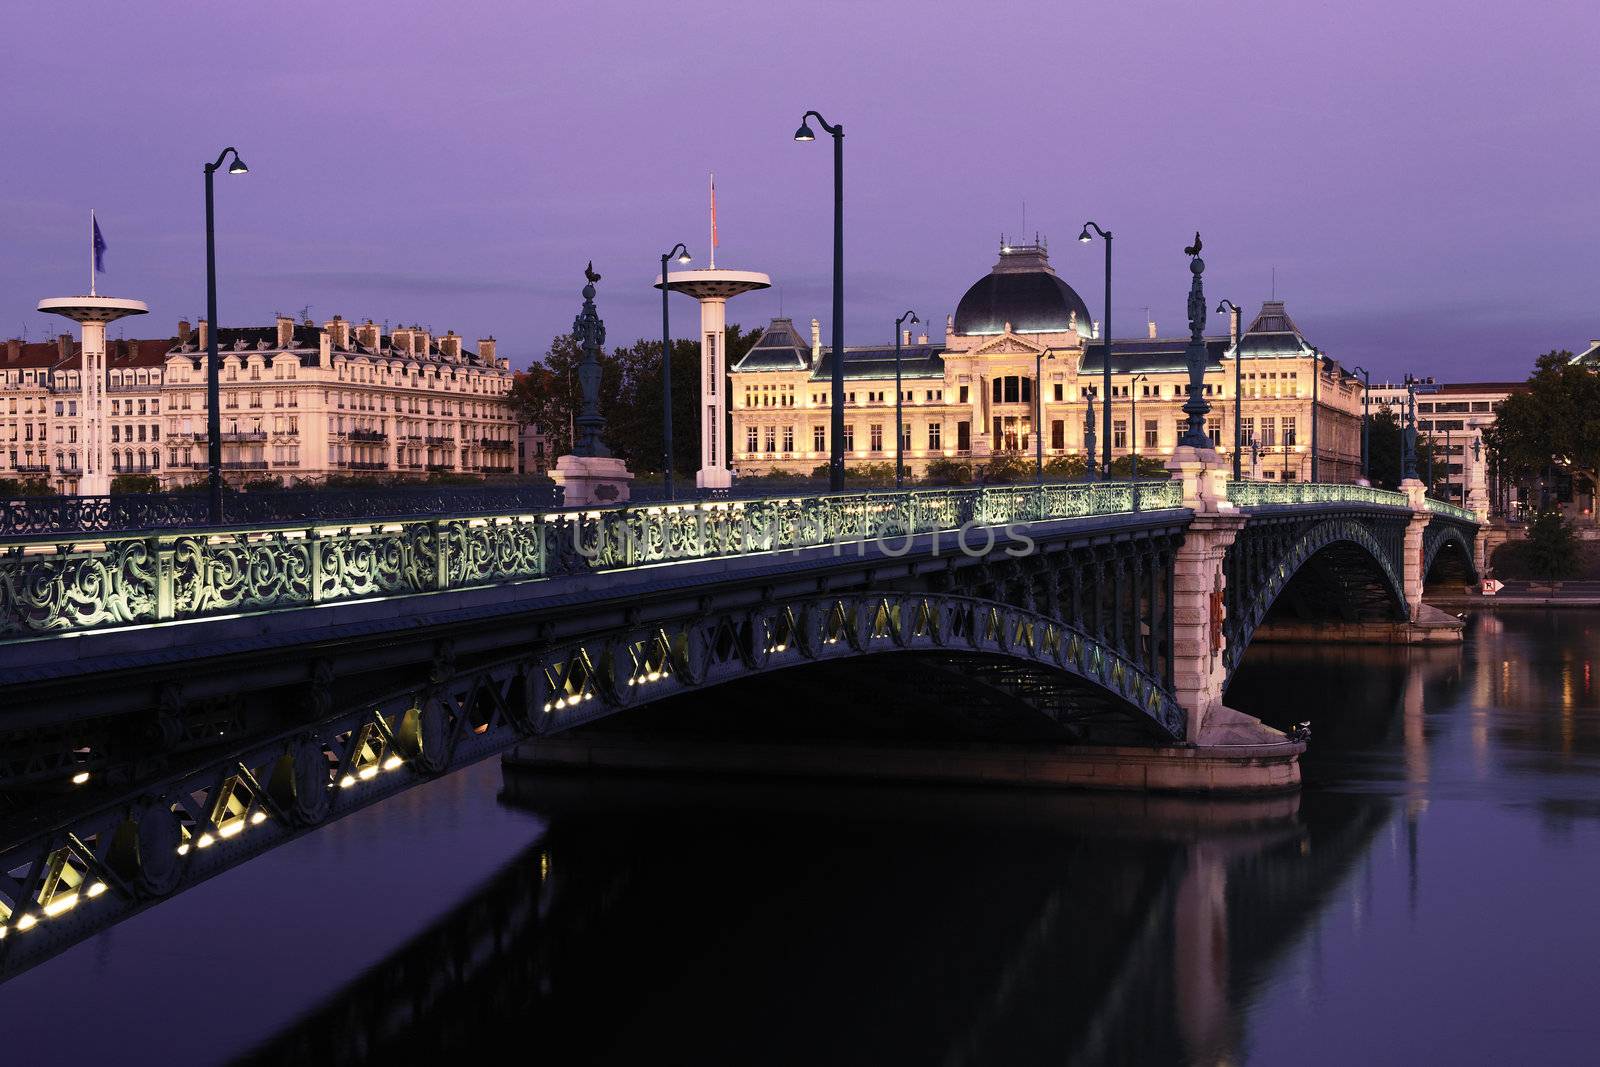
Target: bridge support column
(1198, 672)
(1412, 576)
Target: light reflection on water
(1421, 901)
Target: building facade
(300, 403)
(1454, 416)
(1021, 330)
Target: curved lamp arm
(912, 315)
(237, 167)
(1084, 236)
(804, 132)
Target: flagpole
(713, 220)
(91, 252)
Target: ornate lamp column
(1088, 436)
(1234, 314)
(1408, 437)
(1366, 387)
(1105, 336)
(1195, 460)
(899, 397)
(591, 475)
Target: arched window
(116, 460)
(144, 463)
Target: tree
(946, 471)
(1556, 423)
(1552, 546)
(1384, 446)
(630, 397)
(1006, 468)
(1065, 468)
(1149, 467)
(10, 487)
(135, 483)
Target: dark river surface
(1428, 898)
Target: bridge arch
(1447, 557)
(1272, 558)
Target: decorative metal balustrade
(65, 585)
(1449, 510)
(1252, 494)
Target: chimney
(1151, 325)
(400, 340)
(13, 350)
(183, 331)
(905, 336)
(63, 343)
(450, 346)
(485, 349)
(922, 338)
(367, 334)
(203, 335)
(949, 325)
(420, 340)
(816, 340)
(285, 331)
(340, 330)
(324, 348)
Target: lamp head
(237, 166)
(1084, 236)
(804, 132)
(684, 258)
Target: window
(1060, 392)
(1214, 430)
(964, 433)
(819, 439)
(769, 438)
(1058, 433)
(964, 399)
(935, 435)
(875, 436)
(1269, 431)
(849, 437)
(905, 438)
(1152, 433)
(788, 438)
(751, 437)
(1119, 433)
(1247, 428)
(1288, 431)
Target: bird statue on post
(1194, 249)
(588, 272)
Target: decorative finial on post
(590, 474)
(589, 331)
(1196, 407)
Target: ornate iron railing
(107, 580)
(1250, 494)
(51, 516)
(1454, 511)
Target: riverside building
(300, 403)
(1020, 332)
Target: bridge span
(180, 700)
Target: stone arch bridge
(179, 701)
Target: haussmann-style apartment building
(299, 403)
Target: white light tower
(713, 288)
(92, 313)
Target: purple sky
(1421, 175)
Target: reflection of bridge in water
(179, 702)
(912, 926)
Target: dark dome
(1023, 290)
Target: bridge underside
(1340, 583)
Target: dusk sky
(1420, 175)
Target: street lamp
(1408, 436)
(666, 371)
(1038, 411)
(214, 361)
(1133, 425)
(836, 441)
(1105, 336)
(1316, 382)
(1234, 315)
(1366, 388)
(899, 397)
(1088, 434)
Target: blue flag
(99, 249)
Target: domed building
(1019, 330)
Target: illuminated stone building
(299, 403)
(1021, 329)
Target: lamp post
(666, 371)
(1105, 337)
(1088, 436)
(214, 361)
(836, 436)
(1133, 425)
(1316, 385)
(1408, 436)
(1038, 412)
(1449, 490)
(1234, 315)
(899, 403)
(1366, 387)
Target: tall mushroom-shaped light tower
(92, 313)
(713, 287)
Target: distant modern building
(299, 403)
(1021, 328)
(1454, 415)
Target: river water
(1426, 898)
